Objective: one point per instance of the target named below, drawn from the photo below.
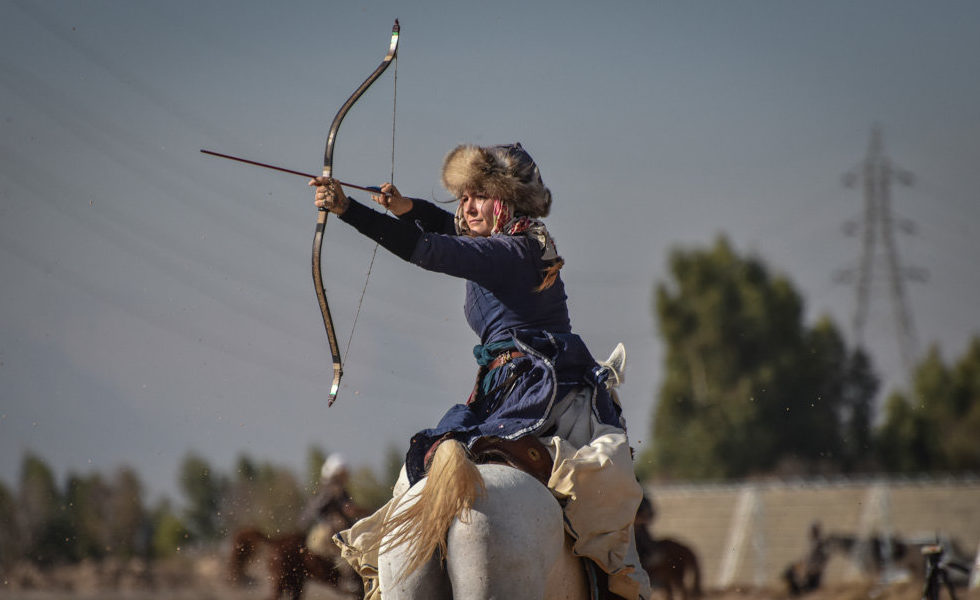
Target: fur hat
(507, 172)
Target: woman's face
(477, 209)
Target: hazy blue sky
(155, 301)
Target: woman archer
(536, 378)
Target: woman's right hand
(392, 200)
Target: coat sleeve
(493, 262)
(430, 218)
(398, 236)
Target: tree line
(749, 389)
(95, 516)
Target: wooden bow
(321, 216)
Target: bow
(321, 216)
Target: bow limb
(321, 216)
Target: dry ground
(203, 578)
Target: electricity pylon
(877, 226)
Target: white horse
(482, 531)
(499, 530)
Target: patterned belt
(504, 358)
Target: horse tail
(452, 486)
(243, 547)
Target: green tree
(203, 490)
(263, 496)
(86, 500)
(315, 458)
(44, 525)
(371, 490)
(169, 532)
(842, 386)
(280, 497)
(935, 428)
(129, 526)
(10, 538)
(748, 388)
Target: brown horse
(290, 564)
(668, 563)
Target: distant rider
(331, 509)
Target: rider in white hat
(331, 510)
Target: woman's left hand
(330, 195)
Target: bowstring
(374, 253)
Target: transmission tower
(877, 226)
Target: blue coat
(505, 311)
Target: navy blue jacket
(503, 308)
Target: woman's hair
(550, 274)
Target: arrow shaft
(375, 190)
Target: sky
(155, 301)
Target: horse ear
(616, 363)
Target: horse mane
(452, 486)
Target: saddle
(526, 454)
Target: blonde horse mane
(452, 486)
